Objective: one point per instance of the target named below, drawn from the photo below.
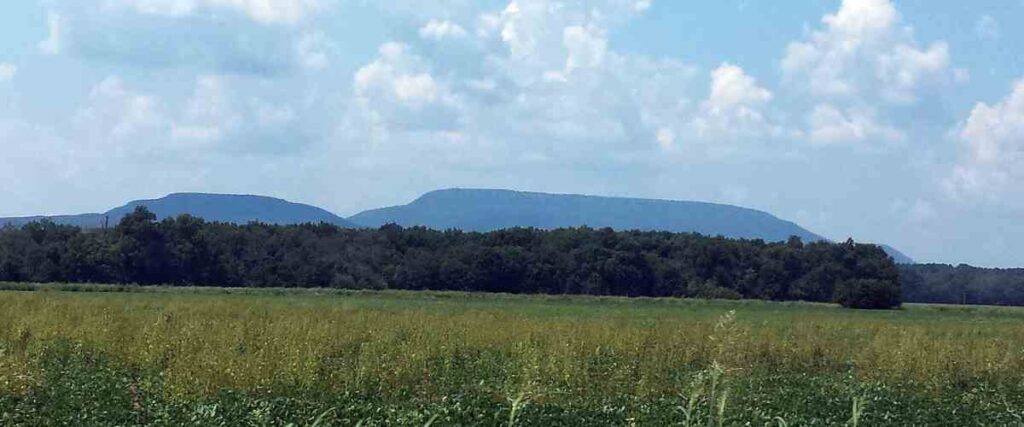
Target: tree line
(187, 251)
(963, 284)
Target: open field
(274, 357)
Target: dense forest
(189, 251)
(946, 284)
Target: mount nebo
(474, 210)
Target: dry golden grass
(553, 349)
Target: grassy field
(276, 357)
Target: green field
(212, 357)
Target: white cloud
(124, 122)
(397, 73)
(734, 108)
(864, 52)
(987, 28)
(419, 88)
(119, 119)
(904, 69)
(7, 71)
(993, 166)
(437, 30)
(861, 66)
(586, 47)
(262, 11)
(542, 30)
(733, 90)
(397, 92)
(208, 116)
(538, 84)
(830, 125)
(53, 42)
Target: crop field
(304, 358)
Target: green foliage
(868, 294)
(963, 284)
(187, 251)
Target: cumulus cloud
(830, 125)
(566, 85)
(262, 11)
(735, 103)
(122, 121)
(733, 89)
(586, 47)
(863, 64)
(208, 115)
(437, 29)
(119, 119)
(864, 51)
(7, 71)
(397, 92)
(993, 160)
(539, 83)
(549, 36)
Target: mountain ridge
(490, 209)
(230, 208)
(474, 210)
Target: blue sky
(897, 122)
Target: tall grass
(707, 361)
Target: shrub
(709, 290)
(869, 294)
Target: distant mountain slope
(238, 209)
(483, 210)
(897, 256)
(83, 220)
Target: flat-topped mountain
(485, 210)
(237, 209)
(475, 210)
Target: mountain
(238, 209)
(475, 210)
(897, 256)
(483, 210)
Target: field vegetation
(208, 356)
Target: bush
(869, 294)
(709, 290)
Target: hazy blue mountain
(483, 210)
(83, 220)
(476, 210)
(239, 209)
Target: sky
(897, 122)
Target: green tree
(870, 294)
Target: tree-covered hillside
(189, 251)
(964, 284)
